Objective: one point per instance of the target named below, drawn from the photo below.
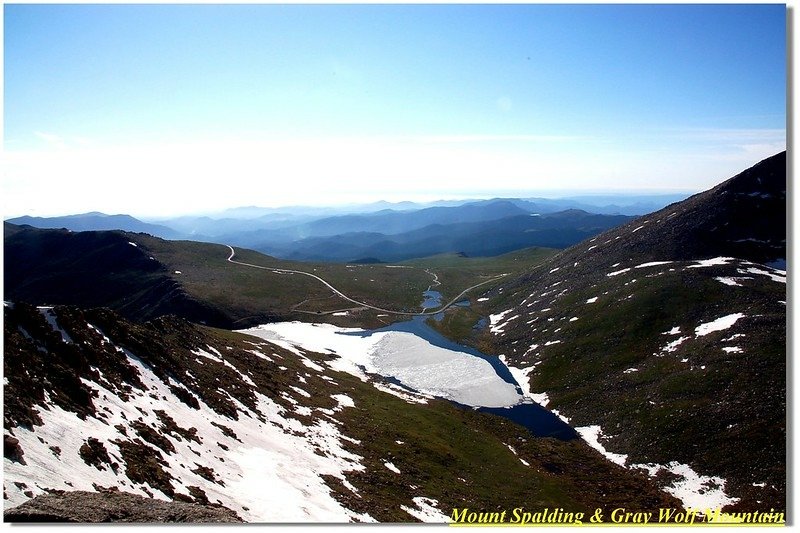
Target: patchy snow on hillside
(269, 467)
(618, 272)
(774, 275)
(494, 321)
(732, 349)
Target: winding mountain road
(362, 304)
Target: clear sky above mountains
(169, 109)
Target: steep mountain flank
(665, 340)
(180, 412)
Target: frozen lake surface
(416, 356)
(409, 359)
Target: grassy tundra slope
(668, 335)
(145, 277)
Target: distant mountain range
(97, 222)
(477, 238)
(385, 231)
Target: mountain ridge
(662, 332)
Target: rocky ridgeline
(114, 506)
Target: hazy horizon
(610, 194)
(157, 109)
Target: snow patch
(731, 281)
(716, 261)
(719, 324)
(522, 377)
(672, 346)
(50, 316)
(592, 435)
(775, 275)
(494, 321)
(653, 263)
(694, 490)
(426, 510)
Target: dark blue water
(535, 418)
(432, 299)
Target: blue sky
(168, 109)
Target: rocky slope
(114, 506)
(665, 340)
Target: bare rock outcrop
(114, 506)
